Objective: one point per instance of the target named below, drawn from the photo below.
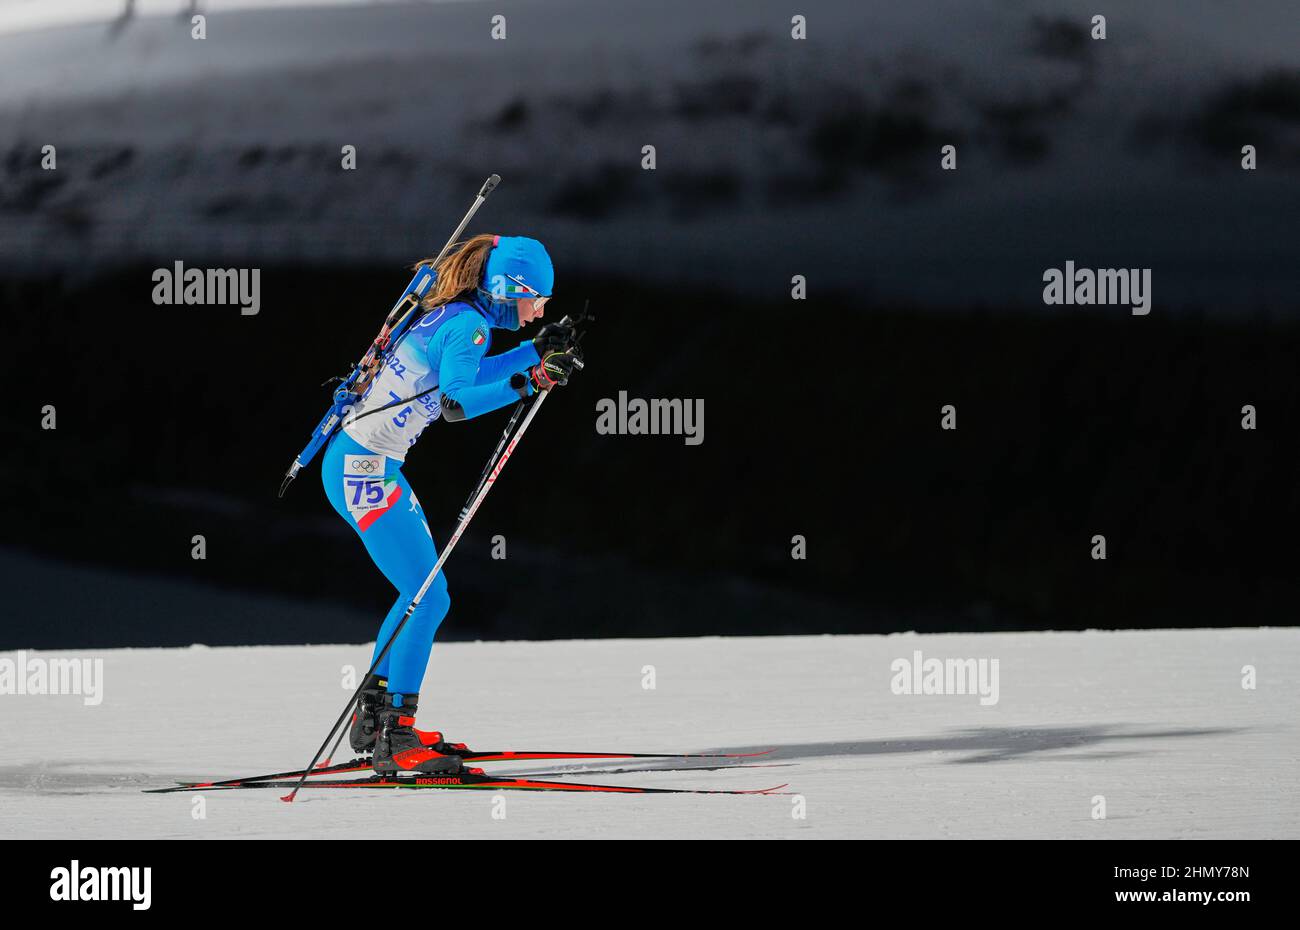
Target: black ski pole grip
(490, 185)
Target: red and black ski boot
(401, 748)
(365, 721)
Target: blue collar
(500, 314)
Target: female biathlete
(441, 361)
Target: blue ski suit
(444, 353)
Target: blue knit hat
(516, 260)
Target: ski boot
(399, 747)
(365, 716)
(365, 721)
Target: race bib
(363, 483)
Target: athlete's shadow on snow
(998, 744)
(969, 745)
(40, 778)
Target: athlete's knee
(438, 597)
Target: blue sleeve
(458, 368)
(495, 367)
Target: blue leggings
(399, 542)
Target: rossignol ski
(362, 764)
(473, 778)
(352, 387)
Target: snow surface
(1156, 722)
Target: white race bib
(363, 483)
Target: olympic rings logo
(365, 465)
(430, 318)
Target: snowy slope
(1156, 722)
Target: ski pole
(575, 319)
(415, 602)
(496, 453)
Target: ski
(363, 764)
(472, 780)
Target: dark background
(821, 416)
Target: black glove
(554, 337)
(554, 369)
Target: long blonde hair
(460, 271)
